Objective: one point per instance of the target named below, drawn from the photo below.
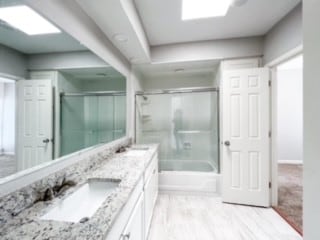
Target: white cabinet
(134, 228)
(133, 222)
(150, 193)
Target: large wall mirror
(56, 97)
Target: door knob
(46, 140)
(227, 143)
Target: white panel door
(35, 122)
(245, 136)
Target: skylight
(194, 9)
(27, 20)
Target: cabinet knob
(125, 236)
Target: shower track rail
(177, 90)
(98, 93)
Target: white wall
(208, 50)
(7, 115)
(284, 36)
(311, 121)
(289, 114)
(12, 62)
(134, 83)
(167, 81)
(65, 60)
(104, 84)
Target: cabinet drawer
(134, 228)
(150, 169)
(150, 197)
(122, 220)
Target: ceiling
(119, 18)
(47, 43)
(163, 25)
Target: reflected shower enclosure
(88, 119)
(185, 123)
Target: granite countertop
(28, 225)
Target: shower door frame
(178, 91)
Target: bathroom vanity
(124, 184)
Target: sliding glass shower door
(185, 125)
(87, 120)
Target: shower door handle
(227, 143)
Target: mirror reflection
(56, 97)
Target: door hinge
(270, 134)
(270, 185)
(269, 83)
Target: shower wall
(185, 125)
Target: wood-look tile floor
(179, 217)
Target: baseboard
(298, 162)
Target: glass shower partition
(88, 119)
(185, 123)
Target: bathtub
(189, 177)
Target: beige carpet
(290, 194)
(7, 165)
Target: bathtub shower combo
(186, 124)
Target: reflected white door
(245, 136)
(35, 122)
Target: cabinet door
(155, 186)
(134, 228)
(151, 194)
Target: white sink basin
(136, 153)
(83, 203)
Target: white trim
(11, 77)
(274, 128)
(293, 52)
(274, 139)
(290, 161)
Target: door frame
(16, 79)
(273, 115)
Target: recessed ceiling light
(120, 38)
(27, 20)
(179, 70)
(239, 3)
(194, 9)
(101, 74)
